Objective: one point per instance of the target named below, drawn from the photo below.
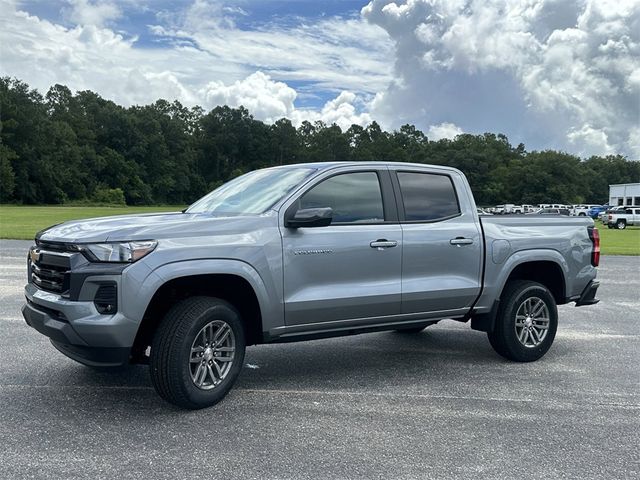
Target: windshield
(252, 193)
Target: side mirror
(310, 217)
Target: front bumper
(78, 330)
(66, 340)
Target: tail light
(594, 236)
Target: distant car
(483, 211)
(522, 208)
(593, 212)
(604, 216)
(582, 210)
(551, 211)
(621, 218)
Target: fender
(272, 311)
(535, 255)
(483, 317)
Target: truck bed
(556, 239)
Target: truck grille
(49, 269)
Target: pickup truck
(622, 217)
(300, 252)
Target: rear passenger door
(442, 247)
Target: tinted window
(427, 196)
(354, 197)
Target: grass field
(23, 222)
(19, 222)
(619, 242)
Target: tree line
(65, 147)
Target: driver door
(350, 269)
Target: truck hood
(145, 227)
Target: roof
(326, 165)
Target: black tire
(621, 224)
(609, 225)
(170, 359)
(504, 339)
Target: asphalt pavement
(439, 404)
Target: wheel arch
(546, 267)
(233, 281)
(546, 272)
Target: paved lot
(439, 404)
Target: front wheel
(526, 323)
(621, 225)
(197, 352)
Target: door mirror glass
(310, 217)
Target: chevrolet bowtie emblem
(34, 254)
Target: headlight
(121, 252)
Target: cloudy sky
(559, 74)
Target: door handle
(383, 243)
(461, 241)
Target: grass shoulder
(23, 222)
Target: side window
(354, 197)
(427, 196)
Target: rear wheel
(526, 323)
(197, 352)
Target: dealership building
(624, 194)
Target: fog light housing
(106, 299)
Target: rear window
(427, 196)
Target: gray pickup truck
(301, 252)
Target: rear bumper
(588, 296)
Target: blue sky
(561, 74)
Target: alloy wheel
(212, 354)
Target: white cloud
(265, 99)
(269, 100)
(342, 111)
(590, 139)
(85, 12)
(443, 130)
(202, 58)
(564, 73)
(334, 53)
